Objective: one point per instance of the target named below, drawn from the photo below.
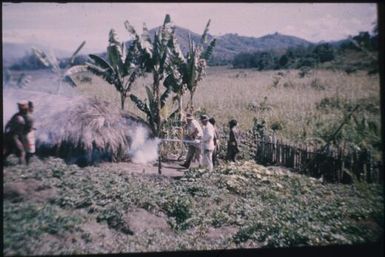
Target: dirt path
(170, 168)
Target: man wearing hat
(208, 145)
(193, 132)
(15, 133)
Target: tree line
(309, 56)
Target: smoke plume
(143, 149)
(92, 125)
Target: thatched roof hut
(88, 132)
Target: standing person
(207, 142)
(193, 132)
(233, 143)
(29, 140)
(216, 142)
(15, 132)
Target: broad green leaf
(99, 61)
(209, 50)
(141, 105)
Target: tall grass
(278, 97)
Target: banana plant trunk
(158, 127)
(191, 104)
(180, 118)
(122, 100)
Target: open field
(301, 108)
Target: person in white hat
(193, 132)
(15, 132)
(208, 145)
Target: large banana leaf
(113, 37)
(46, 60)
(73, 70)
(166, 30)
(177, 54)
(146, 41)
(142, 106)
(76, 69)
(205, 33)
(106, 74)
(209, 50)
(191, 70)
(43, 58)
(130, 29)
(99, 61)
(164, 96)
(115, 52)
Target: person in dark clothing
(15, 133)
(233, 143)
(216, 143)
(29, 140)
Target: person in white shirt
(193, 132)
(208, 145)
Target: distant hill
(12, 52)
(227, 47)
(230, 45)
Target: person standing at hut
(193, 132)
(216, 142)
(29, 140)
(233, 143)
(15, 133)
(207, 142)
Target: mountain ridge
(227, 46)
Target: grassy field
(53, 208)
(302, 106)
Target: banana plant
(196, 63)
(50, 61)
(120, 69)
(154, 57)
(187, 72)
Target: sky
(65, 26)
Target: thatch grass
(88, 132)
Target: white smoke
(47, 109)
(50, 108)
(143, 149)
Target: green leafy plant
(153, 56)
(120, 70)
